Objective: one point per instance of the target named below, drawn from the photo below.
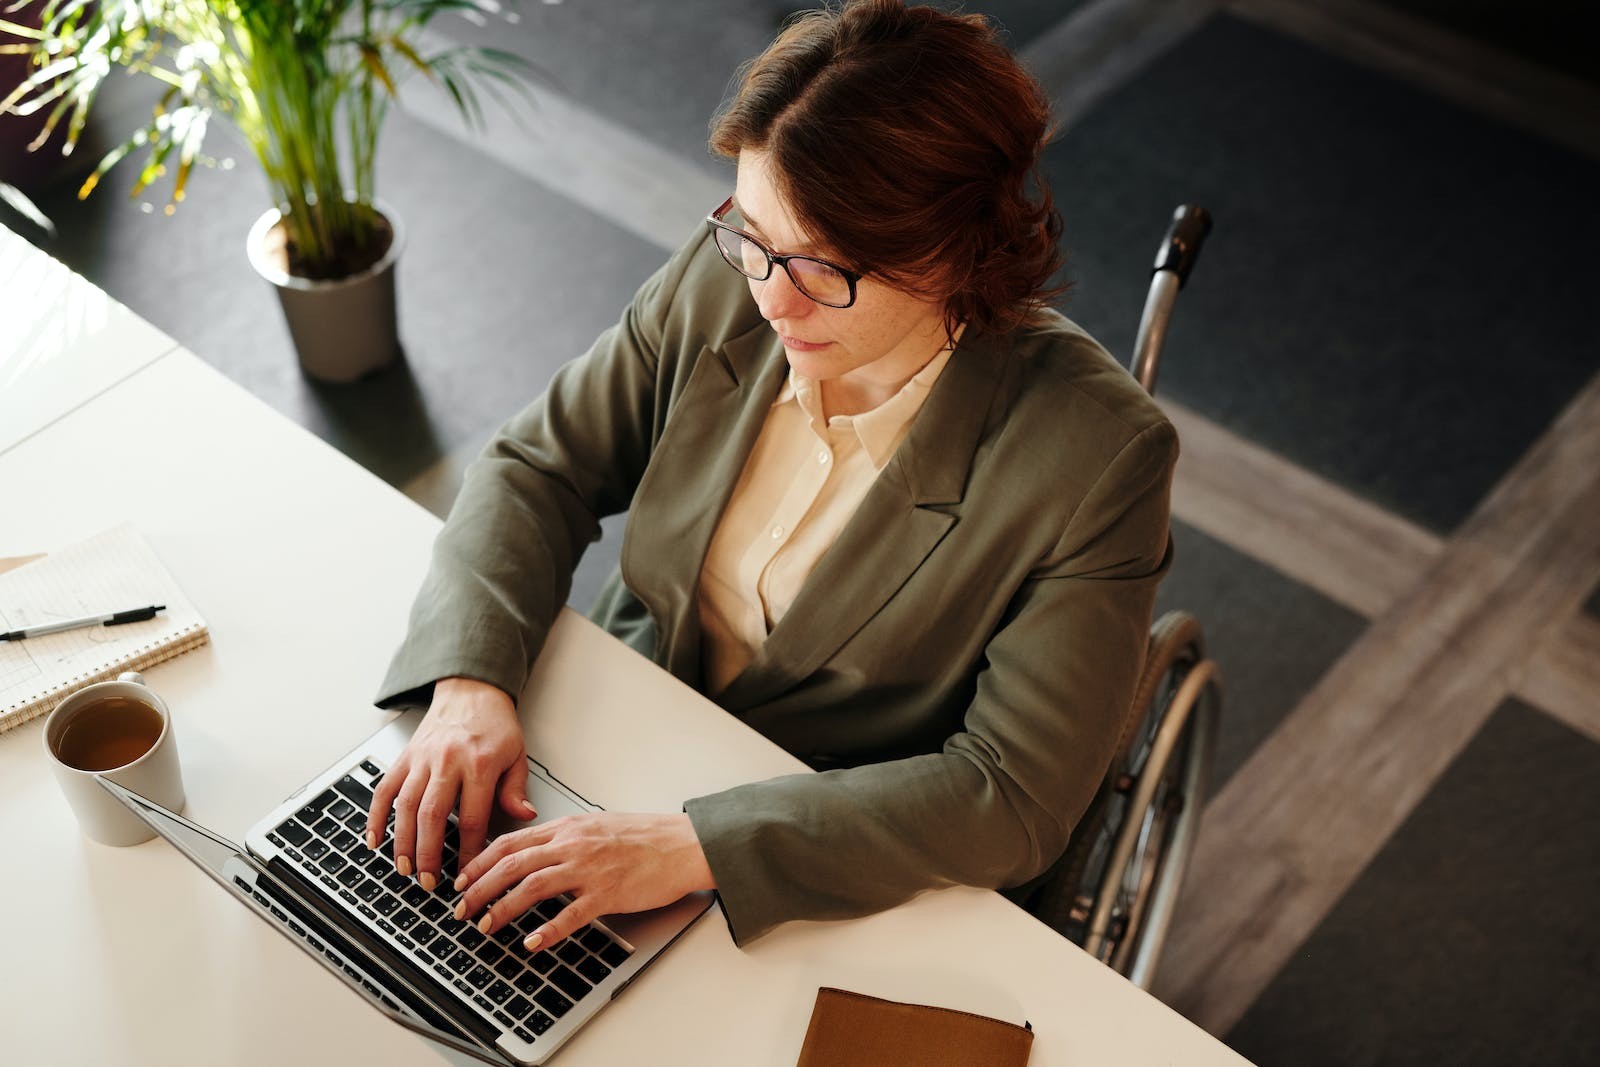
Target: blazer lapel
(908, 510)
(692, 472)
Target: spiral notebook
(113, 571)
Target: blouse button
(822, 457)
(777, 532)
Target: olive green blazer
(959, 664)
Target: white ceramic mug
(153, 774)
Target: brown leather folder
(855, 1030)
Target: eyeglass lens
(819, 281)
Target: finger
(433, 819)
(513, 790)
(383, 795)
(405, 817)
(501, 879)
(569, 920)
(503, 846)
(472, 820)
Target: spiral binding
(141, 658)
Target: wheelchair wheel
(1126, 860)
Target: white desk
(304, 566)
(62, 340)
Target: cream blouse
(803, 480)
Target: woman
(884, 507)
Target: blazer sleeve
(530, 504)
(995, 806)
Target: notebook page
(113, 571)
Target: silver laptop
(306, 870)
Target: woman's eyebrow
(751, 224)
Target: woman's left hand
(608, 862)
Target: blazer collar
(908, 510)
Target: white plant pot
(343, 328)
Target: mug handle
(131, 676)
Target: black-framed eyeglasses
(827, 283)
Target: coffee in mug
(119, 730)
(110, 733)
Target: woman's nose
(777, 298)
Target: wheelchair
(1113, 890)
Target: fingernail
(485, 922)
(461, 911)
(533, 941)
(372, 841)
(429, 882)
(403, 865)
(460, 883)
(527, 807)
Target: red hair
(906, 140)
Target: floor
(1386, 386)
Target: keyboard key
(569, 981)
(593, 939)
(315, 849)
(519, 1006)
(614, 954)
(550, 999)
(333, 863)
(434, 910)
(528, 983)
(548, 909)
(405, 942)
(379, 866)
(350, 875)
(326, 827)
(470, 936)
(405, 918)
(504, 1020)
(347, 896)
(483, 1003)
(357, 824)
(415, 895)
(509, 967)
(397, 883)
(499, 992)
(294, 833)
(442, 947)
(387, 927)
(369, 890)
(371, 768)
(424, 933)
(570, 951)
(489, 952)
(340, 809)
(524, 1033)
(480, 976)
(462, 962)
(542, 961)
(539, 1022)
(355, 792)
(329, 882)
(368, 912)
(594, 970)
(343, 841)
(388, 905)
(507, 935)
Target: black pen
(115, 618)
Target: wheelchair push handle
(1181, 249)
(1178, 254)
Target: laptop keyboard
(524, 993)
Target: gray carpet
(1469, 939)
(661, 69)
(1396, 295)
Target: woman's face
(875, 344)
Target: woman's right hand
(468, 748)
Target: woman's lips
(803, 346)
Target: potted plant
(307, 83)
